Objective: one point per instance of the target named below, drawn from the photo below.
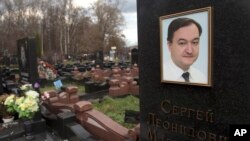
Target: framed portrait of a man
(186, 52)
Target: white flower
(26, 87)
(32, 94)
(9, 100)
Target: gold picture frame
(186, 50)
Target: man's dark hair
(178, 23)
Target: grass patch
(112, 107)
(115, 108)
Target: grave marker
(27, 60)
(184, 112)
(134, 56)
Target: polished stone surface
(227, 98)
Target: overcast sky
(130, 14)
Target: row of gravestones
(8, 81)
(28, 64)
(28, 67)
(99, 79)
(27, 61)
(98, 57)
(68, 68)
(95, 122)
(28, 74)
(99, 61)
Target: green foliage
(115, 108)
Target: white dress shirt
(171, 72)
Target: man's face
(184, 47)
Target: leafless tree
(109, 20)
(62, 28)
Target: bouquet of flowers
(46, 71)
(27, 105)
(3, 109)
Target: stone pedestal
(32, 127)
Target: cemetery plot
(94, 120)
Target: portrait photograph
(23, 56)
(186, 52)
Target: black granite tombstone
(132, 116)
(134, 56)
(98, 57)
(27, 60)
(1, 84)
(11, 131)
(179, 112)
(64, 119)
